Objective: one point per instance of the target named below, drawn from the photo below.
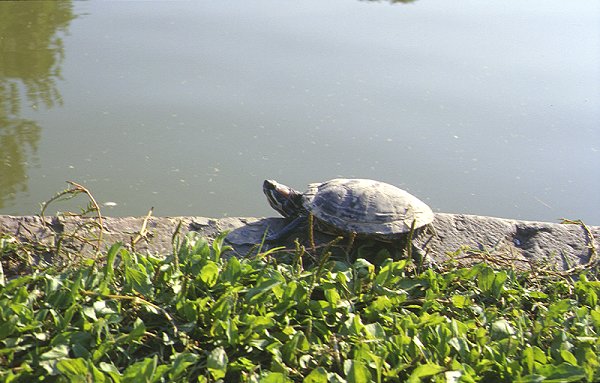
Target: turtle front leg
(287, 230)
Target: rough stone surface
(559, 246)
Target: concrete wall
(552, 245)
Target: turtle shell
(366, 207)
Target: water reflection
(31, 50)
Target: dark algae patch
(199, 315)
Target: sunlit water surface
(478, 107)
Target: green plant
(199, 315)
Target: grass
(197, 315)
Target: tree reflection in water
(31, 54)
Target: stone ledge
(560, 246)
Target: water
(477, 107)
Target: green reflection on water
(31, 54)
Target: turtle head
(284, 199)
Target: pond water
(478, 107)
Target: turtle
(359, 207)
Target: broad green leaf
(528, 356)
(460, 301)
(453, 376)
(233, 270)
(73, 368)
(294, 348)
(58, 352)
(332, 296)
(259, 323)
(89, 312)
(537, 295)
(217, 246)
(217, 363)
(209, 273)
(189, 310)
(111, 256)
(9, 327)
(354, 325)
(76, 286)
(111, 370)
(423, 371)
(142, 371)
(533, 378)
(375, 331)
(595, 314)
(79, 370)
(274, 377)
(335, 378)
(364, 268)
(385, 273)
(102, 308)
(2, 278)
(255, 293)
(502, 329)
(80, 351)
(568, 357)
(180, 364)
(318, 375)
(460, 345)
(96, 375)
(381, 304)
(138, 331)
(539, 356)
(221, 309)
(356, 371)
(491, 282)
(556, 309)
(49, 359)
(138, 280)
(561, 373)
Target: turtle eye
(285, 200)
(269, 185)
